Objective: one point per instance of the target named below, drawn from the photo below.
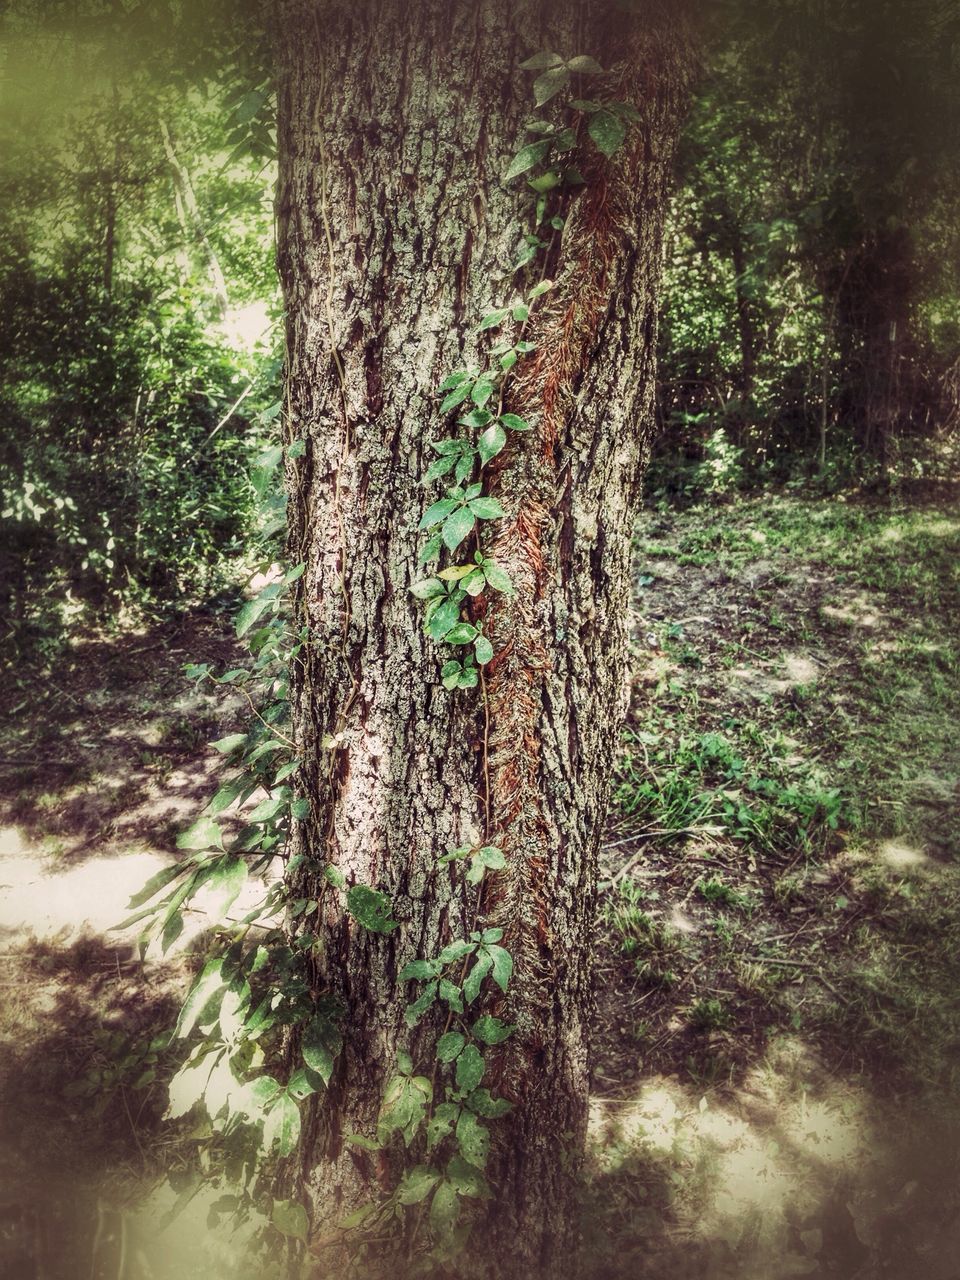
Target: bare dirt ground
(776, 1083)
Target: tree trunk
(396, 234)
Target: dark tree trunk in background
(397, 121)
(874, 312)
(748, 342)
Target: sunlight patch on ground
(41, 899)
(795, 1172)
(900, 856)
(44, 900)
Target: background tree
(396, 235)
(811, 266)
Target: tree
(396, 233)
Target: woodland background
(778, 1034)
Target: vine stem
(253, 707)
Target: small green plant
(715, 889)
(655, 949)
(709, 1014)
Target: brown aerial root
(566, 327)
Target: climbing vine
(258, 1038)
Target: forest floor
(777, 1084)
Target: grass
(792, 736)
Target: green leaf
(449, 1046)
(370, 908)
(493, 858)
(539, 289)
(427, 588)
(549, 84)
(230, 743)
(476, 418)
(514, 422)
(322, 1043)
(521, 312)
(491, 1030)
(290, 1219)
(472, 1139)
(496, 577)
(418, 1008)
(458, 525)
(303, 1084)
(481, 967)
(456, 572)
(462, 633)
(468, 679)
(466, 1178)
(493, 319)
(585, 65)
(444, 1211)
(267, 809)
(358, 1140)
(508, 360)
(207, 985)
(491, 442)
(491, 935)
(285, 771)
(457, 396)
(527, 157)
(437, 511)
(455, 951)
(334, 876)
(541, 60)
(418, 969)
(431, 550)
(441, 1122)
(452, 447)
(470, 1068)
(225, 881)
(545, 182)
(486, 508)
(203, 834)
(455, 379)
(584, 104)
(281, 1128)
(155, 884)
(254, 609)
(502, 966)
(483, 650)
(404, 1106)
(440, 467)
(475, 583)
(485, 1104)
(249, 107)
(417, 1184)
(451, 994)
(607, 131)
(476, 871)
(445, 616)
(264, 749)
(483, 389)
(626, 110)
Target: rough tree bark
(396, 231)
